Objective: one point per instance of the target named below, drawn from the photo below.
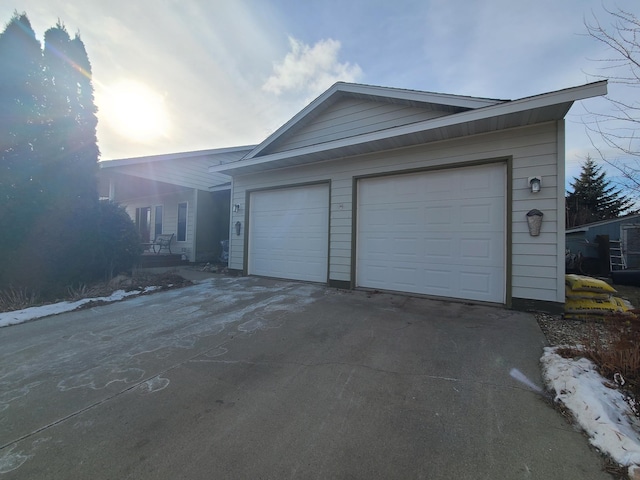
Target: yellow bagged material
(623, 305)
(591, 306)
(588, 298)
(581, 283)
(595, 309)
(568, 293)
(582, 316)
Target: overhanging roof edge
(376, 91)
(564, 96)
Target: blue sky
(175, 75)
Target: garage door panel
(478, 215)
(476, 249)
(438, 248)
(439, 215)
(431, 239)
(289, 233)
(407, 249)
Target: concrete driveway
(254, 378)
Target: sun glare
(136, 111)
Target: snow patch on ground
(31, 313)
(601, 411)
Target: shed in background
(594, 242)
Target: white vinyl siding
(350, 117)
(533, 151)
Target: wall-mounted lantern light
(238, 226)
(236, 208)
(535, 183)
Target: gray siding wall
(537, 262)
(350, 117)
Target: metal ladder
(616, 257)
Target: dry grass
(17, 299)
(614, 346)
(618, 353)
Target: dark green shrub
(118, 245)
(58, 250)
(72, 246)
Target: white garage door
(438, 233)
(289, 233)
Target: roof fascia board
(125, 175)
(585, 227)
(418, 96)
(117, 162)
(529, 103)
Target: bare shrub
(17, 298)
(614, 346)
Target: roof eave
(119, 162)
(368, 142)
(374, 91)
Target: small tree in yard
(593, 199)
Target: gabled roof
(469, 116)
(185, 169)
(340, 90)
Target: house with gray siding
(175, 194)
(584, 240)
(410, 191)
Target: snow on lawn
(31, 313)
(602, 412)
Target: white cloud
(310, 69)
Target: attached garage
(289, 233)
(438, 233)
(409, 191)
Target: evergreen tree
(20, 127)
(593, 199)
(49, 210)
(84, 141)
(70, 121)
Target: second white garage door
(438, 233)
(289, 233)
